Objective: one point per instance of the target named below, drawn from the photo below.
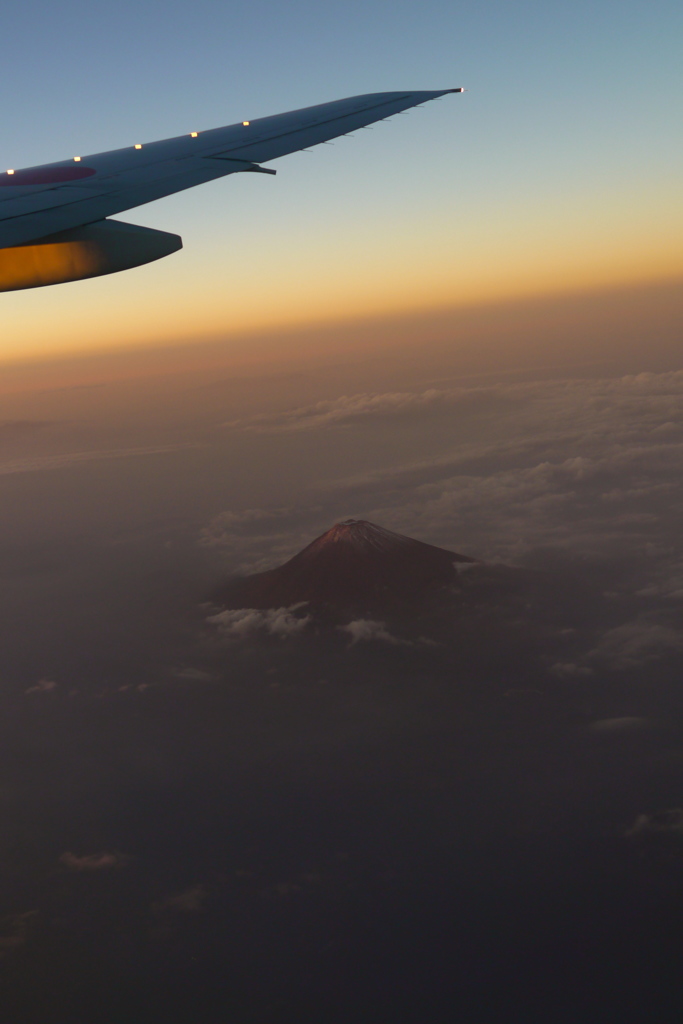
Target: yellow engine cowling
(89, 251)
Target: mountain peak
(356, 566)
(360, 534)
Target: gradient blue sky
(561, 166)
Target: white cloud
(569, 670)
(626, 725)
(369, 629)
(94, 861)
(192, 674)
(190, 901)
(666, 581)
(42, 686)
(635, 644)
(242, 623)
(662, 822)
(15, 930)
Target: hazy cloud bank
(586, 466)
(10, 430)
(347, 408)
(37, 464)
(604, 401)
(585, 471)
(256, 539)
(576, 464)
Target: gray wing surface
(39, 201)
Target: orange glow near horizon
(273, 281)
(557, 329)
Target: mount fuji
(355, 566)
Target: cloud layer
(581, 465)
(349, 408)
(588, 471)
(40, 463)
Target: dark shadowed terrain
(385, 785)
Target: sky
(558, 171)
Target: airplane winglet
(260, 170)
(242, 165)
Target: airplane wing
(37, 203)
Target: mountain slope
(355, 566)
